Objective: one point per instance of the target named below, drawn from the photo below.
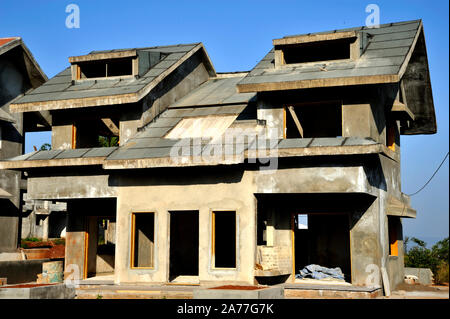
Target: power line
(430, 177)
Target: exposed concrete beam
(398, 208)
(402, 111)
(317, 83)
(308, 38)
(210, 160)
(103, 56)
(83, 161)
(111, 126)
(296, 120)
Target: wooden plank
(293, 216)
(386, 285)
(74, 136)
(213, 239)
(296, 120)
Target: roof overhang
(400, 208)
(317, 83)
(111, 99)
(308, 38)
(220, 158)
(63, 162)
(416, 82)
(35, 73)
(250, 155)
(103, 56)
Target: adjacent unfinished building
(19, 73)
(235, 177)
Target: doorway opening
(322, 239)
(184, 241)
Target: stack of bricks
(276, 258)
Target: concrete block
(424, 275)
(239, 293)
(36, 291)
(21, 271)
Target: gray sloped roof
(387, 49)
(216, 91)
(60, 90)
(151, 142)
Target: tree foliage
(436, 258)
(108, 141)
(45, 147)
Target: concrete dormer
(115, 64)
(314, 48)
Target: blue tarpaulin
(319, 272)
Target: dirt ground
(417, 291)
(419, 287)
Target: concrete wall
(12, 83)
(61, 136)
(21, 271)
(358, 120)
(9, 210)
(227, 188)
(189, 75)
(205, 191)
(425, 275)
(70, 187)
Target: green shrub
(441, 275)
(59, 241)
(23, 242)
(435, 258)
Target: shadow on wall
(8, 209)
(178, 176)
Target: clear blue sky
(237, 34)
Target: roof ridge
(360, 28)
(146, 48)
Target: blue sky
(237, 34)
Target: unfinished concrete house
(19, 73)
(44, 219)
(235, 177)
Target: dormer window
(112, 64)
(105, 68)
(316, 48)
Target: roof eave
(110, 99)
(317, 83)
